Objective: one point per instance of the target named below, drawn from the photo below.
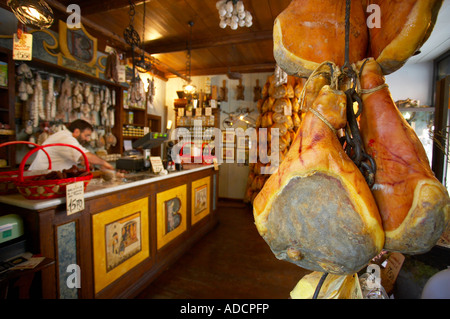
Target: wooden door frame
(441, 90)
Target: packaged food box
(3, 74)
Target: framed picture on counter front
(120, 241)
(200, 199)
(170, 214)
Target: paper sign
(157, 165)
(22, 48)
(208, 111)
(127, 145)
(121, 73)
(75, 197)
(390, 273)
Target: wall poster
(200, 199)
(171, 214)
(120, 241)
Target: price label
(75, 198)
(22, 48)
(216, 165)
(288, 110)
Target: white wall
(160, 99)
(413, 81)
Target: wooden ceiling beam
(161, 46)
(104, 6)
(251, 68)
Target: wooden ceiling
(214, 50)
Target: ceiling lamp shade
(32, 13)
(232, 13)
(189, 88)
(143, 65)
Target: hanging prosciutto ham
(413, 204)
(309, 32)
(316, 210)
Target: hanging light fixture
(189, 88)
(132, 38)
(144, 64)
(232, 13)
(32, 13)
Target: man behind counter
(64, 157)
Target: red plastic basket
(52, 188)
(203, 158)
(189, 158)
(207, 158)
(8, 178)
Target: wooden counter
(125, 237)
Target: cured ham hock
(413, 204)
(316, 210)
(309, 32)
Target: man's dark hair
(81, 125)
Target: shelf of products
(130, 131)
(7, 109)
(189, 116)
(200, 121)
(134, 122)
(190, 121)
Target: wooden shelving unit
(135, 123)
(120, 120)
(7, 112)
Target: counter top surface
(99, 187)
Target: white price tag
(288, 110)
(22, 48)
(216, 165)
(75, 198)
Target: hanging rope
(319, 285)
(354, 146)
(334, 74)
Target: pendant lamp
(32, 13)
(189, 88)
